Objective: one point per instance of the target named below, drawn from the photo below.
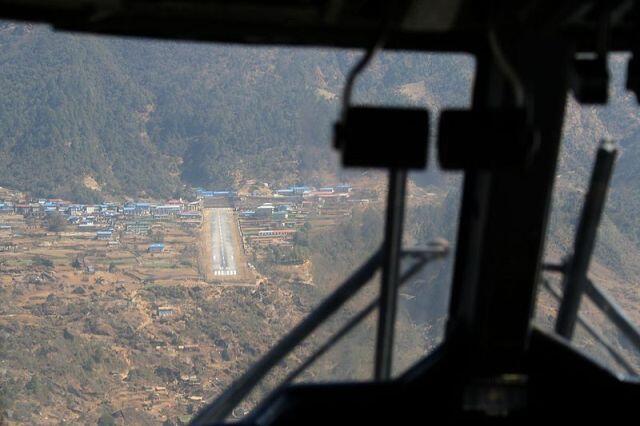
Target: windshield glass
(169, 210)
(614, 264)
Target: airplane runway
(224, 262)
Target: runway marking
(222, 245)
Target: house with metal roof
(156, 248)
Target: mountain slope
(144, 118)
(68, 112)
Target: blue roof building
(104, 235)
(156, 248)
(282, 208)
(300, 189)
(343, 187)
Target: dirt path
(143, 308)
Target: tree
(76, 264)
(41, 261)
(56, 222)
(156, 237)
(34, 385)
(106, 419)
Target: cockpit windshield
(170, 211)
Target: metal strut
(575, 279)
(240, 388)
(391, 250)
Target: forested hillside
(69, 112)
(86, 116)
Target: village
(265, 218)
(100, 272)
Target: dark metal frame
(390, 274)
(504, 212)
(606, 304)
(347, 23)
(575, 281)
(504, 216)
(615, 355)
(575, 277)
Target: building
(175, 202)
(167, 210)
(283, 208)
(138, 227)
(7, 247)
(343, 188)
(299, 190)
(104, 235)
(75, 210)
(87, 226)
(166, 311)
(156, 248)
(194, 206)
(272, 237)
(189, 347)
(280, 215)
(201, 193)
(277, 233)
(264, 211)
(29, 209)
(6, 208)
(193, 215)
(142, 209)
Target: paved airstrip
(222, 245)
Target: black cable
(371, 52)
